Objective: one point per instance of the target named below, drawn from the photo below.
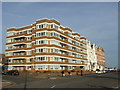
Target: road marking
(53, 86)
(115, 87)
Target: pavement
(105, 81)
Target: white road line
(53, 86)
(115, 87)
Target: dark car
(12, 72)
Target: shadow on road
(103, 87)
(104, 76)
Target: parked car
(118, 70)
(12, 72)
(100, 71)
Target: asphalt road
(105, 81)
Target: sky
(98, 21)
(59, 0)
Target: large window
(29, 38)
(41, 42)
(53, 50)
(55, 34)
(41, 50)
(41, 67)
(10, 33)
(29, 31)
(29, 52)
(10, 40)
(40, 34)
(55, 67)
(41, 59)
(9, 47)
(29, 45)
(45, 25)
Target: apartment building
(45, 45)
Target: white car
(101, 71)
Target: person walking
(62, 73)
(77, 72)
(69, 73)
(81, 73)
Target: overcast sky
(98, 21)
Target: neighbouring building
(2, 61)
(91, 56)
(47, 45)
(100, 58)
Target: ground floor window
(41, 67)
(28, 68)
(18, 68)
(55, 67)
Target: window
(52, 26)
(56, 58)
(69, 33)
(82, 62)
(10, 40)
(10, 33)
(81, 44)
(69, 40)
(41, 50)
(40, 59)
(52, 34)
(55, 67)
(52, 50)
(29, 52)
(55, 26)
(29, 38)
(42, 67)
(40, 34)
(29, 31)
(29, 45)
(42, 41)
(9, 47)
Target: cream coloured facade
(45, 45)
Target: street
(105, 81)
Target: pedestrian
(77, 72)
(62, 73)
(81, 73)
(69, 73)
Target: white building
(91, 56)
